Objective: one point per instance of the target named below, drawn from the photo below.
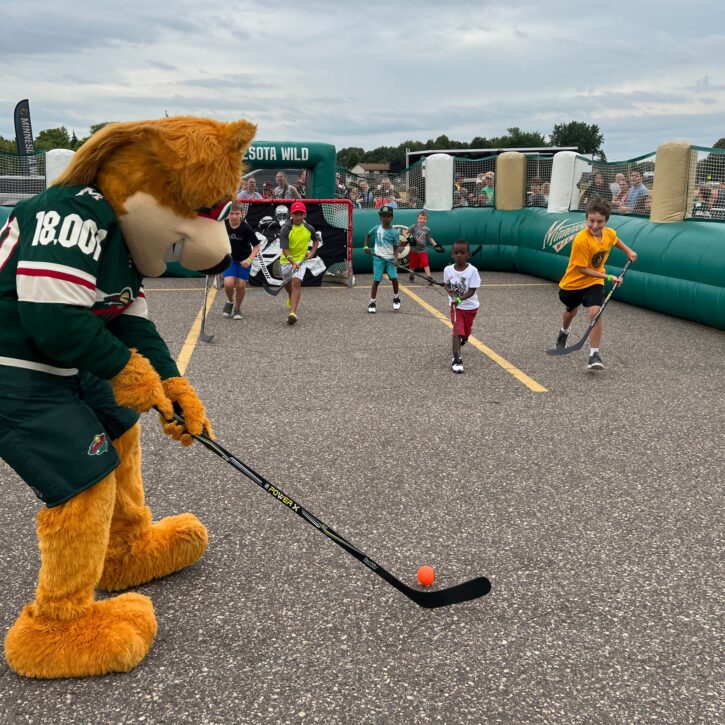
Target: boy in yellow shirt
(583, 281)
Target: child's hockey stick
(419, 274)
(471, 589)
(203, 336)
(270, 284)
(578, 345)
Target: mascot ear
(86, 162)
(239, 135)
(185, 163)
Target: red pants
(418, 260)
(464, 321)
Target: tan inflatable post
(673, 166)
(510, 181)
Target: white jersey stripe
(38, 367)
(60, 268)
(51, 290)
(8, 246)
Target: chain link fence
(21, 177)
(706, 186)
(474, 181)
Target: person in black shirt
(245, 247)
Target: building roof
(374, 167)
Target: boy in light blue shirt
(385, 259)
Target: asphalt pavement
(592, 501)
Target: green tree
(53, 138)
(587, 138)
(720, 143)
(8, 146)
(350, 156)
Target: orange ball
(426, 575)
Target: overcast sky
(368, 73)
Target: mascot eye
(219, 212)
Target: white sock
(593, 350)
(566, 332)
(372, 299)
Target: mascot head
(169, 182)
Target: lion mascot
(80, 359)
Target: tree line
(587, 138)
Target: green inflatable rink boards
(680, 269)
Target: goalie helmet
(265, 221)
(281, 213)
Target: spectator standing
(367, 197)
(701, 203)
(620, 199)
(340, 188)
(636, 190)
(535, 197)
(598, 189)
(486, 191)
(283, 190)
(301, 184)
(249, 190)
(616, 186)
(387, 191)
(267, 191)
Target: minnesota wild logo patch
(99, 445)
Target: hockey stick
(422, 276)
(271, 285)
(203, 336)
(578, 345)
(471, 589)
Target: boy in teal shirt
(385, 259)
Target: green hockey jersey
(70, 296)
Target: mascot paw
(112, 635)
(138, 386)
(167, 546)
(183, 395)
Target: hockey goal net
(332, 221)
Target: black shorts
(588, 296)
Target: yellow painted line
(182, 362)
(522, 377)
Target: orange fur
(184, 162)
(138, 550)
(138, 386)
(65, 632)
(180, 390)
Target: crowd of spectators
(627, 195)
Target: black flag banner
(24, 134)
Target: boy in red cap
(294, 238)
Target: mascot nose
(219, 267)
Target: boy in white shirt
(462, 281)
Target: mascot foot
(167, 546)
(111, 635)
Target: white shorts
(288, 271)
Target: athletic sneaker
(411, 277)
(237, 314)
(228, 307)
(561, 340)
(291, 318)
(595, 362)
(457, 365)
(371, 307)
(396, 303)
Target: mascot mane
(185, 162)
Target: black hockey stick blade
(203, 336)
(558, 351)
(272, 289)
(472, 589)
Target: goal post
(331, 219)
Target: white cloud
(373, 73)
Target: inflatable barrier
(680, 270)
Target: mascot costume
(79, 360)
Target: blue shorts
(383, 266)
(235, 269)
